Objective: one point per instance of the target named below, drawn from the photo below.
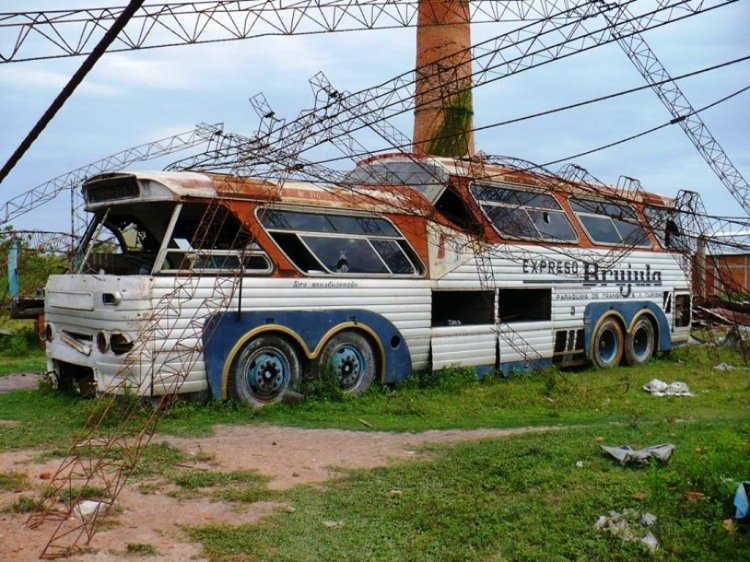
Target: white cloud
(135, 97)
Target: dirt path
(288, 456)
(20, 381)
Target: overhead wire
(579, 104)
(392, 88)
(70, 87)
(651, 130)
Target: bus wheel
(640, 342)
(350, 356)
(266, 368)
(608, 344)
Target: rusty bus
(415, 263)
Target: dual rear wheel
(268, 367)
(611, 345)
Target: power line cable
(71, 86)
(651, 130)
(582, 104)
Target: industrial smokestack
(443, 114)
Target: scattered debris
(333, 524)
(724, 367)
(89, 508)
(694, 496)
(741, 501)
(732, 337)
(395, 494)
(660, 388)
(579, 464)
(364, 422)
(626, 454)
(630, 526)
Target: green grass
(141, 549)
(450, 399)
(69, 495)
(520, 499)
(191, 480)
(241, 486)
(14, 481)
(26, 504)
(33, 361)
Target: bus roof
(359, 191)
(148, 186)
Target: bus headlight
(120, 343)
(101, 342)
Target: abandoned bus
(239, 288)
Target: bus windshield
(131, 239)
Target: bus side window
(462, 308)
(609, 223)
(337, 243)
(524, 305)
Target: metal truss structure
(682, 111)
(103, 458)
(67, 184)
(559, 35)
(67, 33)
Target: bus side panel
(224, 330)
(627, 310)
(404, 302)
(525, 346)
(474, 346)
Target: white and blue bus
(238, 288)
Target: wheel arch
(365, 331)
(628, 314)
(226, 333)
(290, 336)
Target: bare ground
(287, 456)
(20, 381)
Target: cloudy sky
(135, 97)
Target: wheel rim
(267, 374)
(608, 346)
(641, 343)
(349, 365)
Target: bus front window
(125, 239)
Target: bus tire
(266, 368)
(608, 343)
(640, 342)
(350, 357)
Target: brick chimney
(443, 114)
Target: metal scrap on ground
(630, 526)
(657, 387)
(627, 455)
